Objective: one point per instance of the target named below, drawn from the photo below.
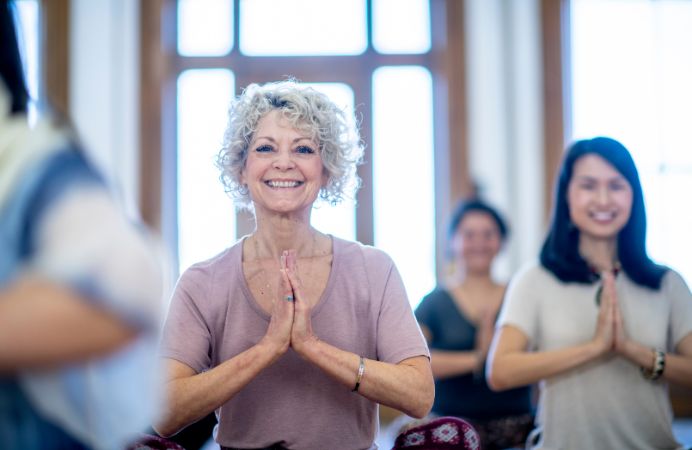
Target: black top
(465, 395)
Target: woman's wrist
(479, 356)
(306, 347)
(596, 348)
(272, 348)
(639, 354)
(479, 366)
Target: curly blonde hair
(307, 110)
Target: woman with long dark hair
(602, 326)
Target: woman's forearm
(678, 369)
(507, 370)
(407, 386)
(511, 365)
(191, 396)
(447, 364)
(678, 366)
(43, 325)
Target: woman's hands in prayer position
(610, 329)
(290, 324)
(278, 334)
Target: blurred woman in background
(458, 319)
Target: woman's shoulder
(350, 250)
(434, 299)
(204, 272)
(438, 294)
(48, 179)
(69, 166)
(532, 271)
(531, 275)
(673, 281)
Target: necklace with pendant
(264, 282)
(265, 288)
(616, 270)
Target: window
(403, 170)
(631, 69)
(205, 213)
(409, 33)
(203, 27)
(359, 53)
(298, 27)
(339, 219)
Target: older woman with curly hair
(292, 336)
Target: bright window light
(338, 220)
(205, 27)
(401, 26)
(302, 27)
(631, 81)
(206, 215)
(404, 198)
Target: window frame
(555, 32)
(160, 66)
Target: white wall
(104, 89)
(505, 118)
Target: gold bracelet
(658, 367)
(361, 371)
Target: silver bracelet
(658, 367)
(361, 371)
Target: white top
(59, 222)
(604, 404)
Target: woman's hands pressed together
(278, 334)
(386, 383)
(512, 365)
(610, 330)
(611, 335)
(608, 309)
(290, 324)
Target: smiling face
(283, 170)
(476, 241)
(599, 198)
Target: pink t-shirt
(364, 309)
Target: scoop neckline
(320, 303)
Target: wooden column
(152, 75)
(452, 175)
(556, 76)
(460, 183)
(55, 54)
